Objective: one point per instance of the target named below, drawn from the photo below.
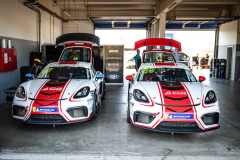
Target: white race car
(166, 97)
(64, 92)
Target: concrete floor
(111, 137)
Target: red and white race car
(166, 97)
(67, 91)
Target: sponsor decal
(175, 93)
(44, 109)
(114, 58)
(113, 51)
(178, 116)
(155, 114)
(52, 89)
(113, 76)
(168, 93)
(113, 70)
(45, 89)
(113, 64)
(89, 100)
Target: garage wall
(17, 20)
(228, 38)
(19, 23)
(84, 26)
(51, 28)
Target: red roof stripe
(164, 64)
(69, 63)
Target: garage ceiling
(181, 14)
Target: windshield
(81, 54)
(64, 73)
(166, 75)
(164, 57)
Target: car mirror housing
(99, 75)
(130, 78)
(28, 75)
(201, 79)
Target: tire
(95, 106)
(128, 92)
(128, 113)
(104, 92)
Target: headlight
(210, 97)
(20, 92)
(83, 92)
(140, 96)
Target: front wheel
(128, 113)
(104, 91)
(95, 106)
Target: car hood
(174, 93)
(48, 89)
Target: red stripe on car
(67, 63)
(164, 64)
(30, 108)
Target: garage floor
(111, 137)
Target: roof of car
(70, 64)
(78, 44)
(163, 65)
(157, 50)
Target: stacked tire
(222, 68)
(211, 68)
(218, 68)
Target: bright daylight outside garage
(113, 79)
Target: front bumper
(49, 121)
(160, 118)
(175, 129)
(62, 112)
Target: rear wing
(82, 37)
(158, 42)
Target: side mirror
(130, 78)
(99, 75)
(201, 79)
(28, 75)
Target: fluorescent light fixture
(67, 14)
(52, 2)
(77, 22)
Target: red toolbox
(8, 59)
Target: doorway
(229, 63)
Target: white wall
(84, 26)
(46, 30)
(17, 21)
(228, 33)
(228, 38)
(51, 28)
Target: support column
(162, 25)
(152, 30)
